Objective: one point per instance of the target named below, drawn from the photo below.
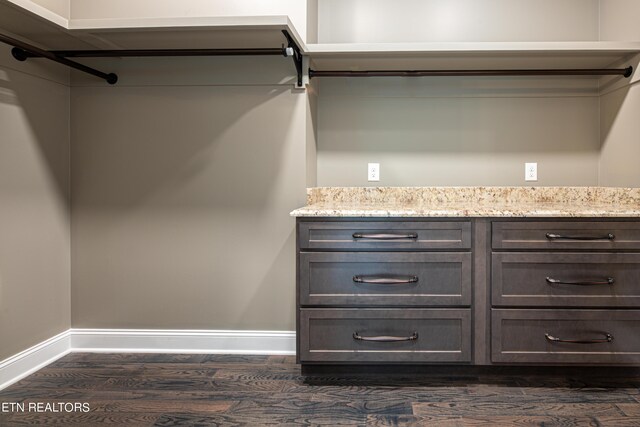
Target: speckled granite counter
(471, 202)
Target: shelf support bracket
(21, 51)
(293, 51)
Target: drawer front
(565, 279)
(364, 278)
(385, 335)
(384, 235)
(542, 336)
(593, 235)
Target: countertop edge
(339, 213)
(476, 202)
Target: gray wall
(448, 131)
(619, 20)
(620, 103)
(620, 130)
(466, 131)
(371, 21)
(181, 188)
(34, 197)
(478, 131)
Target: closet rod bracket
(293, 51)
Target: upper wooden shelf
(476, 55)
(265, 33)
(187, 33)
(469, 48)
(151, 33)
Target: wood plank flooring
(170, 390)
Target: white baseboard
(24, 363)
(30, 360)
(183, 341)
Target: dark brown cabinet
(385, 279)
(384, 235)
(538, 313)
(565, 279)
(386, 335)
(578, 234)
(565, 336)
(468, 291)
(392, 291)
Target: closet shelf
(216, 32)
(187, 33)
(471, 56)
(34, 37)
(269, 35)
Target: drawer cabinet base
(578, 235)
(565, 336)
(385, 279)
(419, 235)
(608, 280)
(468, 291)
(385, 335)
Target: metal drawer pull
(607, 281)
(385, 280)
(562, 237)
(608, 338)
(385, 236)
(384, 338)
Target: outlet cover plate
(530, 171)
(373, 172)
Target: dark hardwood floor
(167, 390)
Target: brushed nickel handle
(385, 279)
(607, 281)
(552, 236)
(608, 338)
(385, 338)
(385, 236)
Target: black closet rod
(22, 51)
(626, 72)
(21, 47)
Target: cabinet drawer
(565, 279)
(385, 335)
(541, 336)
(594, 235)
(364, 278)
(384, 235)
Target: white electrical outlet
(373, 172)
(530, 171)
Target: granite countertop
(471, 202)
